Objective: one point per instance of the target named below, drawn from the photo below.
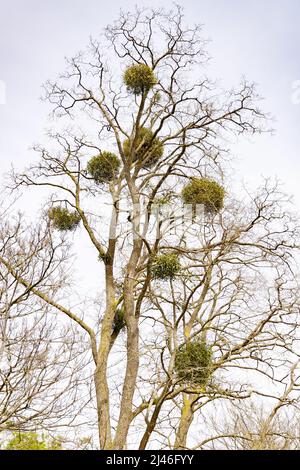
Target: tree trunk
(129, 384)
(100, 376)
(132, 366)
(186, 420)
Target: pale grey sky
(257, 39)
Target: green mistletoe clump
(104, 167)
(119, 320)
(62, 219)
(204, 191)
(165, 266)
(139, 78)
(193, 363)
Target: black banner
(145, 459)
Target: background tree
(43, 360)
(31, 441)
(260, 425)
(207, 304)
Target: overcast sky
(257, 39)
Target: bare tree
(42, 360)
(260, 425)
(219, 288)
(238, 293)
